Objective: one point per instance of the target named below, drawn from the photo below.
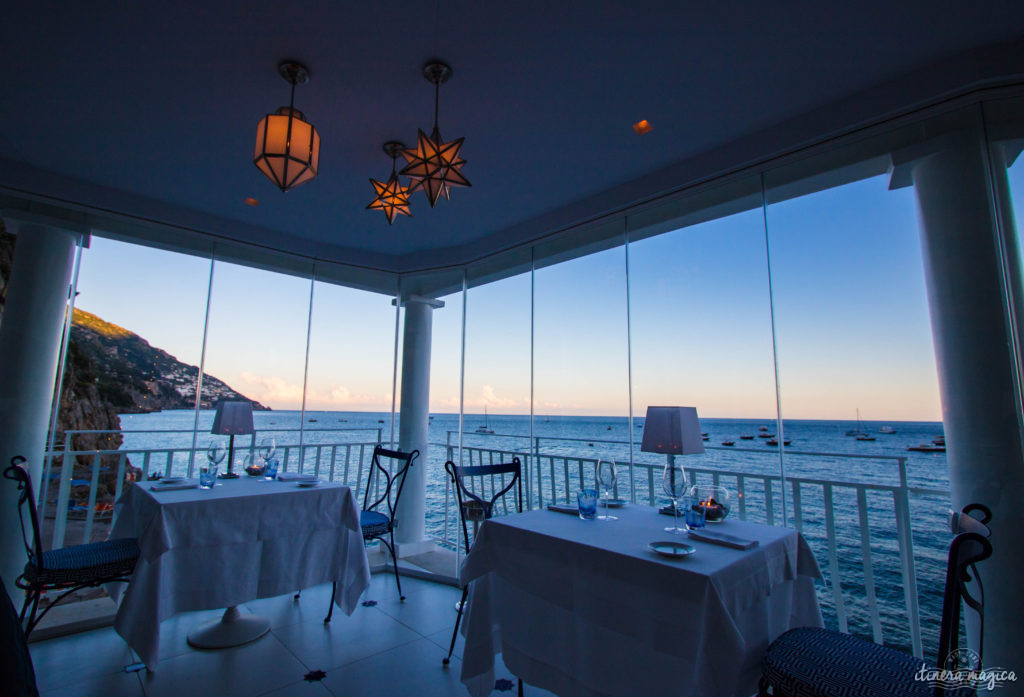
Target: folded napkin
(563, 508)
(187, 484)
(295, 477)
(722, 538)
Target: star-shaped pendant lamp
(391, 197)
(435, 166)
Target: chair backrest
(26, 500)
(390, 474)
(473, 505)
(963, 584)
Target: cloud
(277, 392)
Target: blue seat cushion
(84, 563)
(812, 662)
(374, 524)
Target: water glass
(208, 476)
(587, 501)
(693, 513)
(270, 472)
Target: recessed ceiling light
(250, 201)
(642, 126)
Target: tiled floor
(389, 649)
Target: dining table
(241, 540)
(585, 608)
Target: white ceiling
(150, 109)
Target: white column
(415, 422)
(975, 357)
(30, 333)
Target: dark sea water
(570, 438)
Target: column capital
(420, 299)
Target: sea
(816, 452)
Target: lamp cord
(437, 98)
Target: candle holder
(713, 500)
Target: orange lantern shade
(287, 148)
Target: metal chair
(813, 662)
(474, 508)
(375, 524)
(67, 569)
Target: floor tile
(410, 669)
(302, 688)
(444, 640)
(427, 610)
(71, 658)
(110, 685)
(244, 671)
(382, 586)
(346, 639)
(312, 604)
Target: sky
(852, 329)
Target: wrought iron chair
(375, 524)
(475, 508)
(812, 662)
(67, 569)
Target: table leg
(233, 629)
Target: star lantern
(435, 166)
(390, 196)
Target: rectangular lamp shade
(673, 430)
(233, 419)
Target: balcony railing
(863, 531)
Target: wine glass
(268, 446)
(606, 483)
(673, 483)
(215, 453)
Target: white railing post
(906, 542)
(67, 466)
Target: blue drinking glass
(587, 501)
(207, 476)
(271, 470)
(693, 513)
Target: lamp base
(233, 629)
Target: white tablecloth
(583, 608)
(247, 539)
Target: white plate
(309, 483)
(171, 480)
(667, 548)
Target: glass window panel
(130, 370)
(858, 385)
(700, 317)
(256, 348)
(349, 383)
(581, 371)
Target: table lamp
(233, 419)
(673, 431)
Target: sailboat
(485, 428)
(860, 433)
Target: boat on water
(888, 430)
(940, 441)
(763, 429)
(774, 441)
(746, 438)
(926, 448)
(859, 433)
(729, 442)
(485, 428)
(765, 435)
